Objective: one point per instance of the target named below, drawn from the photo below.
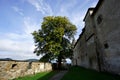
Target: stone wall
(99, 42)
(90, 40)
(79, 48)
(14, 69)
(108, 34)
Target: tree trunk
(59, 61)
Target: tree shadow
(48, 75)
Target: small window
(13, 65)
(106, 45)
(99, 19)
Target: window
(13, 65)
(106, 45)
(99, 19)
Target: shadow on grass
(42, 75)
(79, 73)
(39, 76)
(48, 75)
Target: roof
(83, 30)
(90, 9)
(97, 6)
(94, 9)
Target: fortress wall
(14, 69)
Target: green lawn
(38, 76)
(78, 73)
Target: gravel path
(59, 75)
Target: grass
(75, 73)
(79, 73)
(39, 76)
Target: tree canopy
(54, 37)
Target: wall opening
(29, 65)
(99, 19)
(106, 45)
(13, 65)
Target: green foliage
(45, 58)
(54, 36)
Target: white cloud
(30, 25)
(18, 10)
(17, 49)
(16, 36)
(77, 19)
(19, 55)
(64, 8)
(16, 46)
(19, 46)
(41, 6)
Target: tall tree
(54, 37)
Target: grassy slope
(78, 73)
(38, 76)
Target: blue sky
(19, 18)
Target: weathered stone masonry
(98, 46)
(13, 69)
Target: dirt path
(59, 75)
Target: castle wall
(14, 69)
(76, 60)
(79, 57)
(90, 41)
(108, 33)
(99, 43)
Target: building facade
(98, 46)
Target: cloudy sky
(19, 18)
